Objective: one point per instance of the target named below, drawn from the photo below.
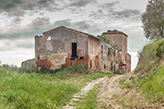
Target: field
(45, 90)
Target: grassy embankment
(42, 90)
(152, 61)
(150, 73)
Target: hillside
(146, 83)
(151, 58)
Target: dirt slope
(113, 96)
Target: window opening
(82, 57)
(101, 48)
(102, 52)
(49, 38)
(90, 63)
(111, 66)
(114, 69)
(104, 66)
(74, 51)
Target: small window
(104, 66)
(101, 48)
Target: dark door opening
(74, 51)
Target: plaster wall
(57, 51)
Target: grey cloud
(109, 5)
(20, 7)
(37, 27)
(126, 13)
(40, 25)
(8, 4)
(81, 3)
(25, 45)
(80, 26)
(108, 11)
(97, 14)
(43, 1)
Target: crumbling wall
(64, 46)
(28, 63)
(56, 48)
(93, 52)
(105, 60)
(128, 63)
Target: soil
(113, 96)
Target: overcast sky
(21, 20)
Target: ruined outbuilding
(63, 46)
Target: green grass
(89, 101)
(153, 85)
(46, 91)
(125, 85)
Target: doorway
(74, 51)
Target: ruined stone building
(66, 46)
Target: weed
(131, 78)
(127, 85)
(119, 73)
(121, 81)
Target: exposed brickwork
(84, 61)
(43, 63)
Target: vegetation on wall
(110, 50)
(103, 38)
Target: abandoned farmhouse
(65, 46)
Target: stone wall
(28, 63)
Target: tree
(153, 19)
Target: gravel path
(83, 91)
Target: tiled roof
(114, 32)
